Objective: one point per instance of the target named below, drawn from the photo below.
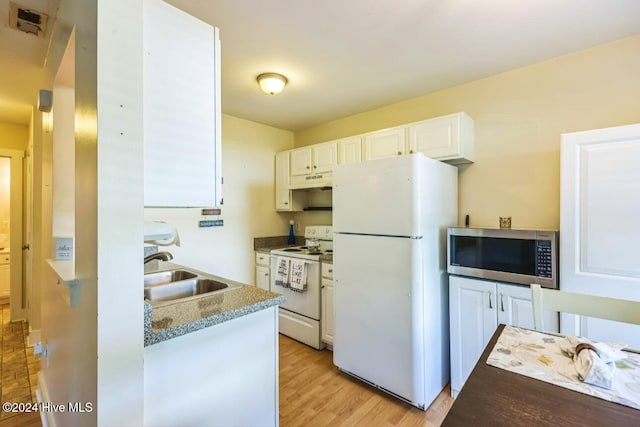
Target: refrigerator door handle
(490, 298)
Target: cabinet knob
(266, 274)
(330, 270)
(315, 166)
(286, 203)
(410, 151)
(399, 153)
(308, 167)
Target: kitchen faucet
(164, 256)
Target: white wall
(96, 347)
(248, 150)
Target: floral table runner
(538, 355)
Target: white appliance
(299, 315)
(390, 219)
(599, 213)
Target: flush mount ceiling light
(272, 83)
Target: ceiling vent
(27, 20)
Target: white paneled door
(599, 224)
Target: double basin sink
(180, 283)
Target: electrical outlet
(297, 227)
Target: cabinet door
(447, 138)
(327, 324)
(514, 306)
(473, 321)
(301, 161)
(181, 109)
(386, 143)
(5, 278)
(283, 194)
(515, 309)
(325, 157)
(262, 277)
(350, 150)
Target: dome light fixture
(272, 83)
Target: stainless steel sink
(177, 284)
(168, 276)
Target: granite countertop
(170, 319)
(265, 244)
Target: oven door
(305, 303)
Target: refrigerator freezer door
(378, 196)
(378, 312)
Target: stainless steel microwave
(515, 256)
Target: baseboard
(35, 335)
(42, 395)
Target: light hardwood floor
(19, 378)
(314, 393)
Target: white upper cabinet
(313, 159)
(447, 138)
(301, 161)
(385, 143)
(181, 109)
(350, 150)
(286, 200)
(325, 157)
(312, 166)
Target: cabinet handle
(501, 302)
(490, 304)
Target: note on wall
(63, 248)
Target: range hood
(318, 180)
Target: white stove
(299, 315)
(318, 241)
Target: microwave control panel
(544, 263)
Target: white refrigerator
(390, 218)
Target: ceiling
(345, 57)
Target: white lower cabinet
(476, 308)
(263, 272)
(327, 323)
(222, 375)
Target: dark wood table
(495, 397)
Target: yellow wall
(14, 136)
(519, 116)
